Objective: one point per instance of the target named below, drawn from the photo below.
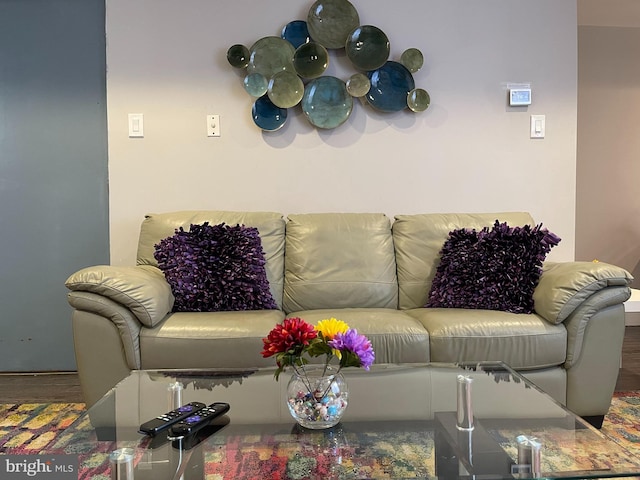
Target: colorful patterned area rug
(32, 428)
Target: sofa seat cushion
(208, 339)
(395, 336)
(523, 341)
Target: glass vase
(317, 396)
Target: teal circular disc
(367, 47)
(271, 55)
(358, 85)
(418, 100)
(267, 116)
(326, 102)
(413, 59)
(330, 22)
(255, 84)
(390, 85)
(310, 60)
(238, 56)
(285, 89)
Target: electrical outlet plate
(213, 125)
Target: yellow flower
(330, 327)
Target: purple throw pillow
(495, 268)
(215, 268)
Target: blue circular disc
(296, 33)
(267, 116)
(390, 85)
(326, 102)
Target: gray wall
(608, 148)
(53, 172)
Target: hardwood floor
(40, 388)
(65, 387)
(629, 376)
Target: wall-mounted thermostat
(519, 96)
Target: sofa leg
(595, 420)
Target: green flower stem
(326, 363)
(302, 373)
(304, 377)
(333, 378)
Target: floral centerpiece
(318, 394)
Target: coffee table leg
(447, 465)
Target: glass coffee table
(401, 422)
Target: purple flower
(351, 345)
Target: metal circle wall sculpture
(284, 71)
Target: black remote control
(164, 421)
(198, 420)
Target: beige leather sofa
(370, 271)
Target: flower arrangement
(317, 400)
(294, 338)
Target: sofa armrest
(90, 310)
(564, 286)
(141, 289)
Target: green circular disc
(238, 56)
(285, 89)
(358, 85)
(367, 47)
(418, 100)
(271, 55)
(412, 59)
(326, 102)
(255, 84)
(311, 60)
(330, 21)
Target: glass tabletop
(401, 422)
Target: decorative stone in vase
(317, 397)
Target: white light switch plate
(538, 127)
(136, 125)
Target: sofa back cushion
(418, 240)
(339, 260)
(270, 225)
